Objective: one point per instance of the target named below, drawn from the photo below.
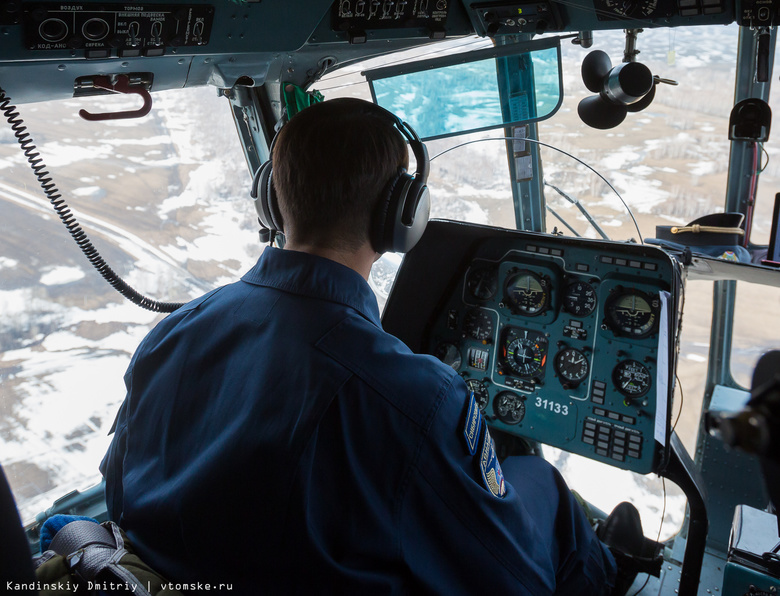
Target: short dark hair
(331, 164)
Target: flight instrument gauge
(528, 293)
(478, 324)
(632, 313)
(525, 352)
(480, 391)
(579, 299)
(631, 9)
(509, 407)
(482, 282)
(449, 354)
(631, 378)
(572, 366)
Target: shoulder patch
(472, 425)
(492, 476)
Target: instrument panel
(563, 341)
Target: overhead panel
(356, 17)
(129, 30)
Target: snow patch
(61, 275)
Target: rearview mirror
(462, 93)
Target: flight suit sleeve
(467, 530)
(112, 466)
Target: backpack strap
(96, 553)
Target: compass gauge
(524, 353)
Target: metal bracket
(115, 84)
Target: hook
(121, 85)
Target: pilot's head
(331, 164)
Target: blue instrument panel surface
(568, 343)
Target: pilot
(275, 439)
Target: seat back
(15, 559)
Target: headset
(402, 213)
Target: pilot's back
(268, 434)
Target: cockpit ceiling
(197, 43)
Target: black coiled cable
(68, 219)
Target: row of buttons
(627, 263)
(599, 392)
(614, 415)
(689, 8)
(556, 252)
(543, 250)
(611, 441)
(124, 53)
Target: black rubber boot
(622, 533)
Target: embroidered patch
(473, 425)
(492, 476)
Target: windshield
(667, 163)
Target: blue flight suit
(274, 437)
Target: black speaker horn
(628, 87)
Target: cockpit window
(669, 164)
(458, 94)
(669, 161)
(164, 199)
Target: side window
(668, 163)
(165, 200)
(769, 179)
(756, 328)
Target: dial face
(449, 354)
(572, 366)
(528, 293)
(633, 8)
(478, 324)
(579, 299)
(632, 313)
(480, 391)
(631, 378)
(525, 356)
(482, 282)
(637, 9)
(509, 407)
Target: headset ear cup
(412, 219)
(266, 205)
(381, 230)
(273, 204)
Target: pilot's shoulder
(412, 382)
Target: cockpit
(599, 236)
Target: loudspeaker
(402, 213)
